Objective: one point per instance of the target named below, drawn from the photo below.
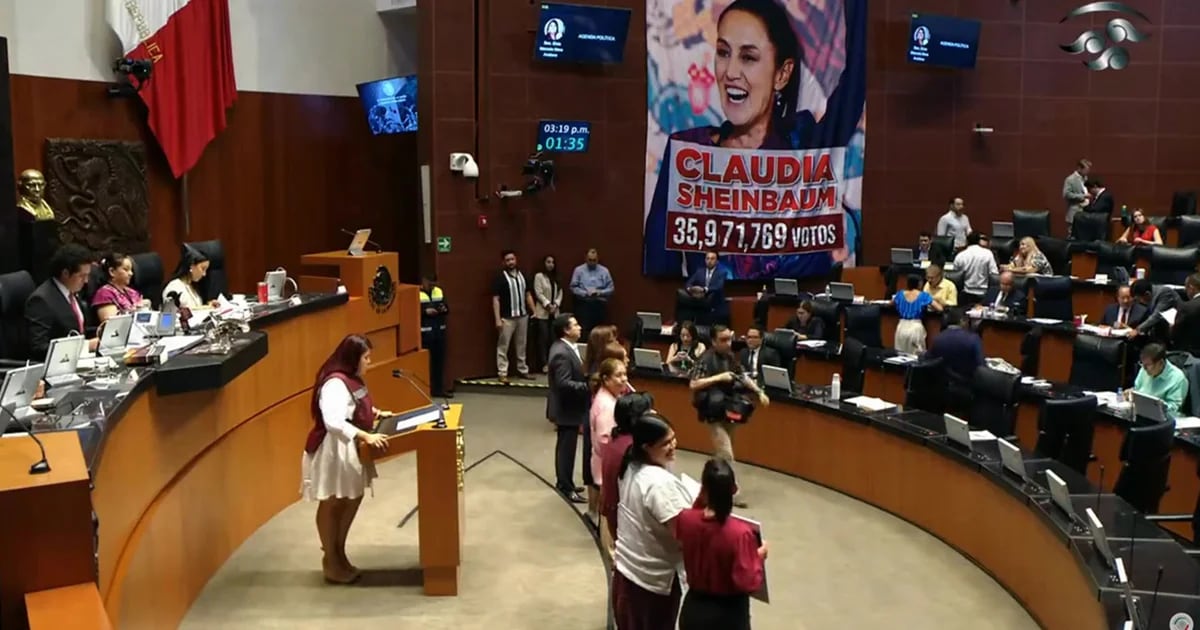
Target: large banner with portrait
(756, 127)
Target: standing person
(117, 297)
(910, 307)
(723, 556)
(719, 374)
(512, 301)
(1075, 192)
(647, 561)
(629, 407)
(1185, 334)
(598, 343)
(343, 415)
(978, 265)
(955, 223)
(547, 301)
(592, 285)
(1100, 199)
(598, 340)
(567, 404)
(434, 310)
(608, 383)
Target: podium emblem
(383, 290)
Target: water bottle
(1124, 214)
(835, 388)
(828, 294)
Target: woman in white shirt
(547, 301)
(192, 268)
(647, 560)
(343, 416)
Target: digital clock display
(563, 136)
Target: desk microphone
(42, 465)
(1132, 536)
(1100, 490)
(441, 422)
(1154, 596)
(377, 247)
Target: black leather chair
(1193, 518)
(1033, 223)
(215, 282)
(704, 334)
(1031, 350)
(1183, 202)
(1145, 461)
(1090, 227)
(1171, 265)
(1052, 299)
(941, 249)
(1158, 222)
(785, 344)
(1093, 359)
(835, 272)
(148, 276)
(925, 386)
(1066, 427)
(864, 323)
(1189, 230)
(15, 288)
(957, 277)
(1110, 256)
(1003, 248)
(854, 366)
(1057, 252)
(830, 313)
(994, 401)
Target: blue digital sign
(939, 40)
(564, 136)
(391, 104)
(574, 32)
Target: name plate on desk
(400, 423)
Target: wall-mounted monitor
(564, 136)
(391, 104)
(581, 34)
(939, 40)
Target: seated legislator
(1004, 294)
(755, 354)
(960, 350)
(53, 309)
(722, 556)
(117, 297)
(921, 251)
(1160, 378)
(1029, 259)
(703, 296)
(191, 270)
(978, 264)
(1127, 314)
(943, 292)
(1185, 334)
(804, 324)
(1141, 231)
(685, 350)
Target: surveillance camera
(464, 163)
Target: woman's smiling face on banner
(745, 68)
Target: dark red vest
(364, 411)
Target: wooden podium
(50, 541)
(381, 303)
(440, 454)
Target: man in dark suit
(54, 309)
(1102, 200)
(1126, 314)
(568, 403)
(921, 251)
(755, 354)
(1005, 294)
(1185, 334)
(960, 350)
(702, 298)
(1156, 299)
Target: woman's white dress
(334, 470)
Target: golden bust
(31, 186)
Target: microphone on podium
(411, 380)
(42, 465)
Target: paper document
(1169, 315)
(668, 329)
(813, 343)
(901, 359)
(763, 594)
(1187, 422)
(981, 436)
(880, 302)
(1045, 321)
(870, 403)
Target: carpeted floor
(530, 563)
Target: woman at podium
(343, 415)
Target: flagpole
(185, 207)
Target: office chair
(1066, 427)
(1193, 518)
(1111, 256)
(1003, 248)
(830, 313)
(216, 282)
(941, 249)
(1033, 223)
(835, 272)
(957, 277)
(1090, 227)
(1031, 350)
(1183, 202)
(864, 323)
(785, 344)
(1058, 254)
(1052, 299)
(15, 288)
(1190, 364)
(1145, 461)
(1172, 265)
(704, 334)
(925, 386)
(1098, 363)
(994, 401)
(854, 365)
(148, 276)
(1189, 230)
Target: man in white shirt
(977, 264)
(955, 223)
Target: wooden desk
(75, 607)
(955, 502)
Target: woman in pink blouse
(609, 383)
(117, 297)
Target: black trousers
(435, 342)
(702, 611)
(586, 457)
(590, 312)
(541, 342)
(564, 457)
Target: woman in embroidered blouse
(684, 351)
(191, 270)
(116, 297)
(910, 306)
(1141, 231)
(1029, 259)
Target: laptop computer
(62, 360)
(1149, 407)
(360, 240)
(647, 359)
(1059, 494)
(1099, 538)
(1131, 604)
(650, 321)
(18, 390)
(777, 378)
(1002, 229)
(275, 280)
(1011, 459)
(114, 335)
(841, 291)
(902, 256)
(787, 286)
(957, 430)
